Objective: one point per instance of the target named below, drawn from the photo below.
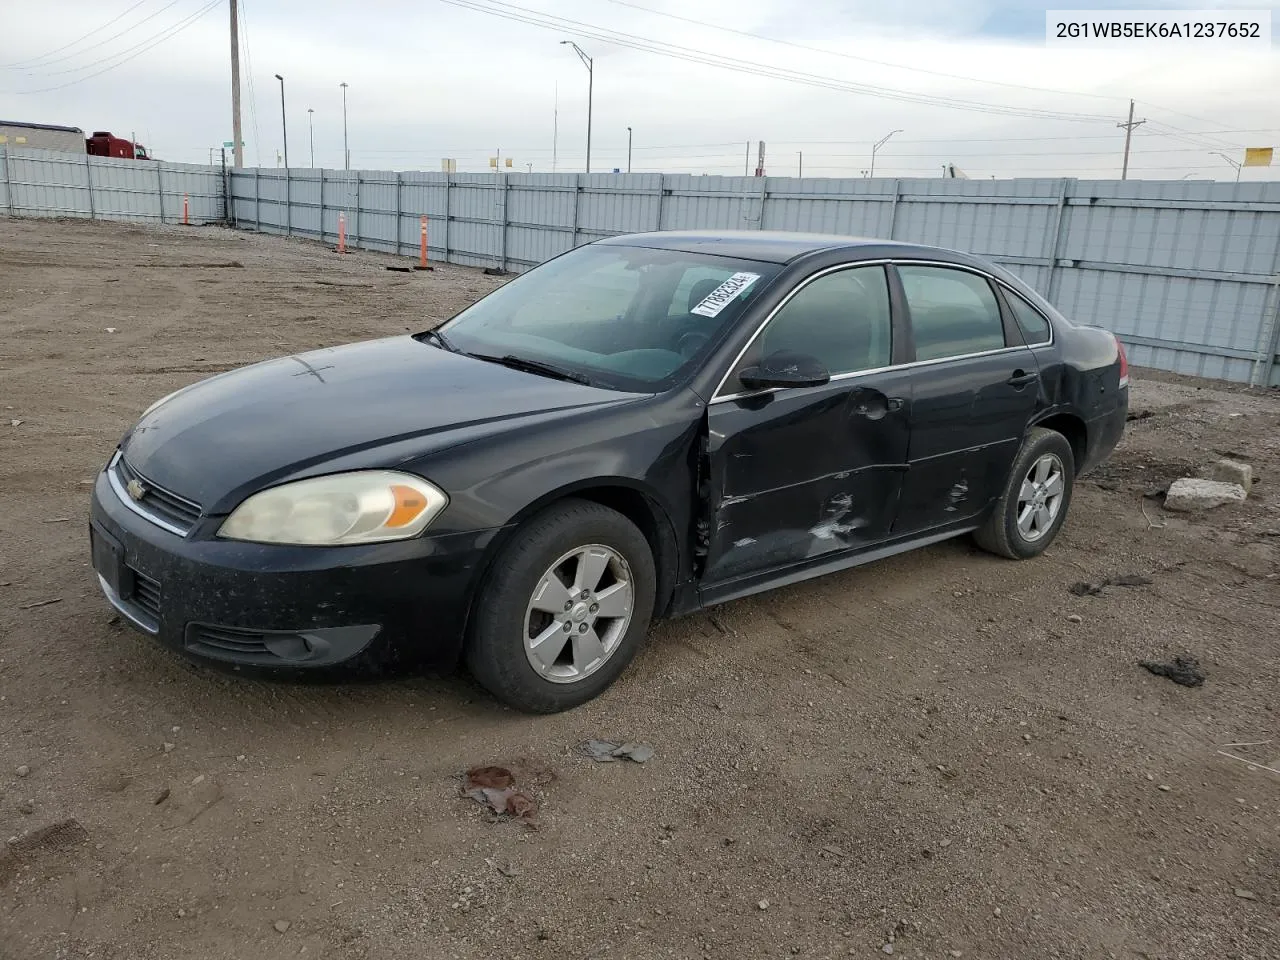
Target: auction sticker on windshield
(723, 295)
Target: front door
(975, 389)
(801, 472)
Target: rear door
(975, 387)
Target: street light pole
(311, 127)
(346, 153)
(284, 127)
(591, 77)
(1234, 163)
(628, 149)
(878, 144)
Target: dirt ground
(940, 755)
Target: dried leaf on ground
(1184, 670)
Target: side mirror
(785, 369)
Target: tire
(570, 541)
(1001, 533)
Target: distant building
(42, 136)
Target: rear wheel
(1033, 507)
(564, 610)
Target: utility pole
(284, 126)
(746, 161)
(311, 127)
(760, 161)
(628, 149)
(591, 77)
(555, 128)
(236, 135)
(800, 154)
(1128, 135)
(346, 153)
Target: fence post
(893, 206)
(355, 240)
(448, 195)
(662, 179)
(577, 194)
(506, 185)
(764, 197)
(1059, 221)
(257, 200)
(322, 204)
(160, 187)
(8, 184)
(288, 203)
(1268, 336)
(88, 182)
(399, 214)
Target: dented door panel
(800, 473)
(967, 422)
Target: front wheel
(1029, 514)
(564, 609)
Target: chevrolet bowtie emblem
(135, 489)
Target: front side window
(841, 319)
(621, 317)
(953, 312)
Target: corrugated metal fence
(43, 183)
(1188, 274)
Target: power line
(32, 60)
(850, 56)
(94, 46)
(157, 40)
(508, 11)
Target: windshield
(621, 317)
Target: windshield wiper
(534, 366)
(439, 339)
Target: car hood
(249, 427)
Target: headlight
(369, 506)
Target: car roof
(778, 246)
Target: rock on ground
(1190, 494)
(1231, 471)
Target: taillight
(1124, 365)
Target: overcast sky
(429, 79)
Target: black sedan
(642, 427)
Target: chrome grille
(160, 506)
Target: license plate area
(108, 561)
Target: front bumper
(285, 607)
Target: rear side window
(953, 312)
(1034, 326)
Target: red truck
(103, 144)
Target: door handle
(1021, 378)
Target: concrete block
(1190, 493)
(1231, 471)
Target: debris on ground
(1139, 415)
(162, 796)
(1231, 471)
(16, 423)
(23, 770)
(506, 869)
(282, 926)
(39, 603)
(1192, 493)
(1244, 894)
(1075, 618)
(1183, 670)
(606, 751)
(1087, 588)
(495, 787)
